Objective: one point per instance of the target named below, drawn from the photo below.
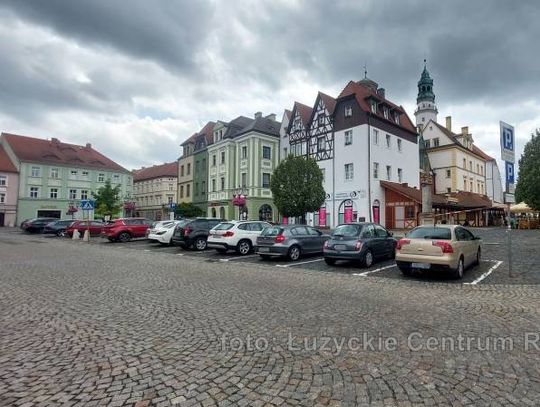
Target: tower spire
(426, 107)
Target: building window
(465, 163)
(388, 172)
(348, 111)
(116, 178)
(101, 177)
(427, 143)
(35, 172)
(3, 180)
(385, 112)
(349, 172)
(267, 152)
(323, 171)
(34, 192)
(478, 168)
(181, 170)
(181, 191)
(244, 179)
(448, 173)
(470, 165)
(244, 152)
(169, 200)
(84, 194)
(2, 197)
(171, 187)
(436, 142)
(85, 174)
(222, 157)
(388, 138)
(72, 194)
(204, 164)
(203, 187)
(464, 183)
(321, 120)
(222, 183)
(213, 185)
(375, 170)
(396, 117)
(73, 174)
(348, 137)
(472, 186)
(373, 106)
(266, 180)
(188, 188)
(188, 170)
(54, 173)
(400, 175)
(53, 193)
(375, 136)
(321, 144)
(448, 190)
(399, 144)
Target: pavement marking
(487, 273)
(491, 244)
(365, 273)
(179, 254)
(239, 257)
(299, 264)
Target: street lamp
(239, 199)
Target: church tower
(426, 108)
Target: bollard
(76, 235)
(86, 236)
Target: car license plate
(421, 265)
(339, 247)
(264, 249)
(216, 236)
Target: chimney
(88, 146)
(258, 115)
(449, 123)
(464, 131)
(381, 92)
(54, 140)
(271, 116)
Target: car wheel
(458, 272)
(200, 244)
(478, 257)
(264, 256)
(368, 259)
(294, 253)
(329, 261)
(243, 247)
(124, 237)
(60, 233)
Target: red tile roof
(454, 137)
(36, 150)
(329, 102)
(6, 165)
(304, 111)
(362, 93)
(156, 171)
(288, 114)
(207, 132)
(470, 200)
(413, 193)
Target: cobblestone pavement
(103, 324)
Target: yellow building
(185, 171)
(154, 190)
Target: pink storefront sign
(322, 217)
(284, 220)
(348, 215)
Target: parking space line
(491, 244)
(239, 257)
(365, 273)
(179, 254)
(487, 273)
(299, 264)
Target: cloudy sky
(135, 78)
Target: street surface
(95, 324)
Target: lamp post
(239, 199)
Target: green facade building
(200, 163)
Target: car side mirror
(390, 234)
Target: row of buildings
(373, 157)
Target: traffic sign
(172, 205)
(508, 151)
(87, 205)
(509, 172)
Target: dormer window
(396, 117)
(348, 111)
(373, 106)
(321, 120)
(297, 123)
(385, 112)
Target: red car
(123, 230)
(81, 225)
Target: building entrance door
(2, 219)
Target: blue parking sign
(507, 142)
(509, 172)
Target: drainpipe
(369, 165)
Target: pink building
(9, 190)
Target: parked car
(194, 232)
(290, 241)
(362, 242)
(36, 225)
(95, 227)
(443, 247)
(236, 235)
(162, 232)
(58, 227)
(125, 229)
(158, 225)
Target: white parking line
(179, 254)
(239, 257)
(365, 273)
(299, 264)
(487, 273)
(491, 244)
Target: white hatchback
(162, 232)
(239, 235)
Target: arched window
(222, 213)
(265, 213)
(213, 212)
(347, 212)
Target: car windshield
(183, 223)
(347, 231)
(272, 231)
(224, 226)
(431, 233)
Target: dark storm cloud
(165, 31)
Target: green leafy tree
(188, 210)
(528, 184)
(297, 186)
(108, 202)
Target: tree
(528, 184)
(188, 210)
(297, 186)
(108, 202)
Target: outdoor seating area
(525, 217)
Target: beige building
(185, 171)
(155, 190)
